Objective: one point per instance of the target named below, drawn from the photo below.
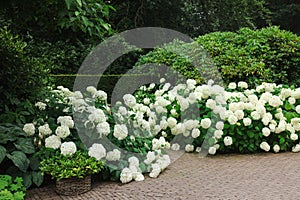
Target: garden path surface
(259, 176)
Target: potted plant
(71, 171)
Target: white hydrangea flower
(174, 112)
(247, 121)
(150, 157)
(175, 147)
(227, 141)
(220, 125)
(195, 133)
(139, 177)
(243, 85)
(62, 131)
(91, 89)
(205, 123)
(146, 101)
(53, 142)
(296, 148)
(171, 122)
(68, 148)
(120, 131)
(239, 114)
(103, 128)
(198, 149)
(266, 131)
(155, 170)
(113, 155)
(97, 151)
(41, 105)
(292, 100)
(232, 119)
(129, 100)
(45, 130)
(158, 143)
(212, 150)
(189, 148)
(65, 121)
(275, 101)
(265, 146)
(162, 80)
(100, 95)
(218, 134)
(97, 116)
(232, 85)
(294, 137)
(276, 148)
(126, 175)
(210, 103)
(29, 129)
(255, 115)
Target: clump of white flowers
(68, 148)
(29, 129)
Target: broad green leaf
(37, 178)
(19, 195)
(77, 13)
(27, 179)
(25, 145)
(19, 159)
(34, 163)
(2, 153)
(79, 2)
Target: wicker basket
(73, 186)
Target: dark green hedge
(21, 76)
(268, 54)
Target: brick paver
(259, 176)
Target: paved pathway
(259, 176)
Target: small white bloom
(298, 109)
(218, 134)
(296, 148)
(146, 101)
(134, 161)
(175, 147)
(171, 122)
(62, 131)
(91, 89)
(265, 146)
(205, 123)
(101, 95)
(232, 119)
(232, 85)
(162, 80)
(53, 142)
(247, 121)
(103, 128)
(97, 151)
(220, 125)
(198, 149)
(195, 133)
(255, 115)
(292, 100)
(189, 148)
(276, 148)
(228, 141)
(113, 155)
(242, 84)
(294, 136)
(29, 129)
(120, 131)
(266, 131)
(41, 105)
(212, 150)
(68, 148)
(126, 175)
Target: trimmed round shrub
(255, 56)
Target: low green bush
(255, 56)
(11, 188)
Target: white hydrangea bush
(159, 117)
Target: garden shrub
(254, 56)
(11, 188)
(22, 76)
